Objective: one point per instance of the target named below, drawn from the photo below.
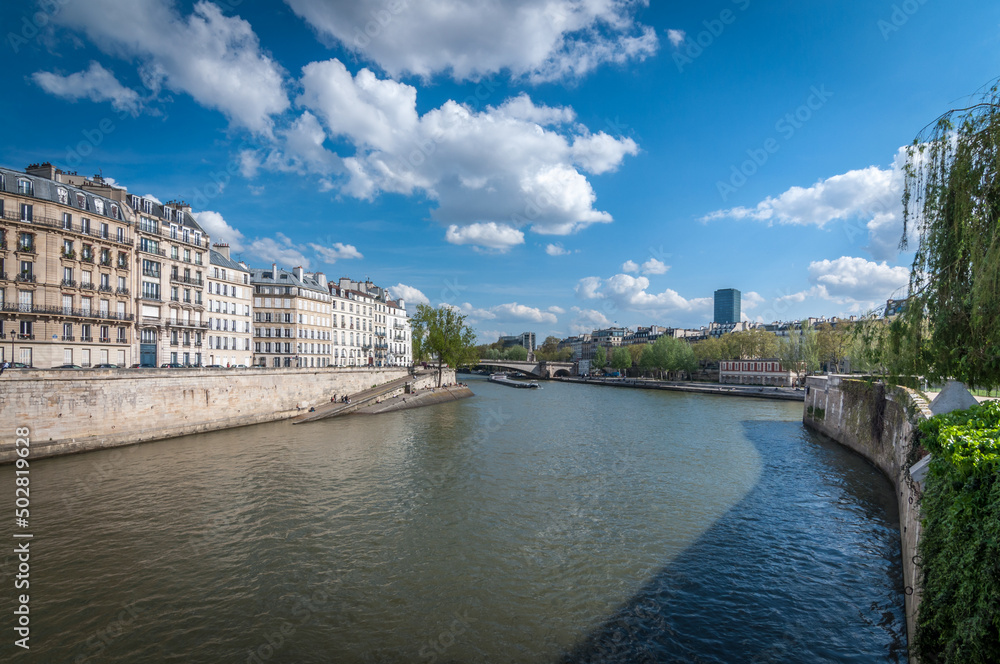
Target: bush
(959, 619)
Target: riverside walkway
(754, 391)
(357, 400)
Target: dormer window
(81, 201)
(114, 211)
(98, 206)
(187, 235)
(166, 213)
(133, 201)
(147, 206)
(173, 232)
(63, 195)
(24, 187)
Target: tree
(516, 354)
(621, 359)
(636, 351)
(950, 325)
(549, 350)
(600, 358)
(442, 333)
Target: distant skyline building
(525, 339)
(727, 306)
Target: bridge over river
(537, 369)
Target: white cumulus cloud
(469, 39)
(219, 229)
(587, 320)
(411, 295)
(490, 235)
(630, 293)
(870, 196)
(556, 250)
(676, 37)
(94, 83)
(339, 251)
(215, 58)
(280, 250)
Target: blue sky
(553, 166)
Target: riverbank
(425, 398)
(78, 411)
(752, 391)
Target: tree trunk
(440, 369)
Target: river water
(573, 523)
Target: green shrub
(959, 618)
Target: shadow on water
(821, 582)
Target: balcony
(105, 288)
(25, 248)
(105, 262)
(105, 340)
(183, 279)
(86, 337)
(68, 337)
(26, 337)
(122, 264)
(149, 297)
(153, 274)
(25, 278)
(63, 311)
(87, 285)
(68, 283)
(150, 250)
(122, 291)
(59, 224)
(69, 255)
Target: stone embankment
(878, 423)
(752, 391)
(76, 411)
(427, 397)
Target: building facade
(66, 259)
(727, 306)
(526, 340)
(292, 318)
(759, 372)
(229, 298)
(399, 334)
(172, 258)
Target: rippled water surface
(568, 524)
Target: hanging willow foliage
(950, 327)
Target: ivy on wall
(959, 619)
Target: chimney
(297, 271)
(222, 248)
(274, 270)
(321, 278)
(43, 170)
(402, 303)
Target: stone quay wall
(76, 411)
(877, 422)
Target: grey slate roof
(48, 190)
(215, 258)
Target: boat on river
(502, 379)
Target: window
(187, 234)
(120, 234)
(68, 331)
(173, 232)
(26, 212)
(121, 335)
(149, 246)
(67, 276)
(104, 230)
(187, 255)
(85, 225)
(81, 201)
(85, 332)
(147, 206)
(122, 284)
(147, 225)
(114, 211)
(24, 187)
(67, 305)
(150, 268)
(150, 290)
(98, 206)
